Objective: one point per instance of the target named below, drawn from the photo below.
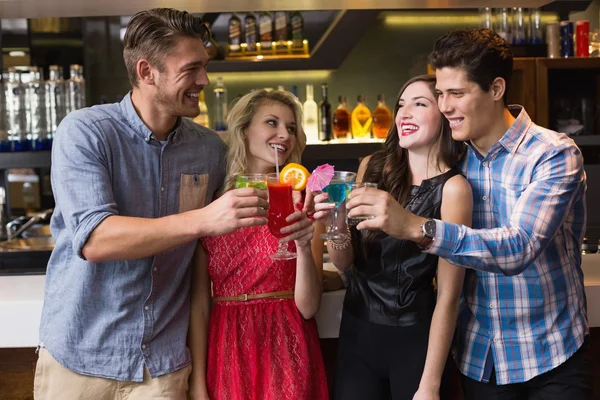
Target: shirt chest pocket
(192, 191)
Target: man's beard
(173, 106)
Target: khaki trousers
(55, 382)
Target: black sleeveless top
(392, 280)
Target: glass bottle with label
(55, 99)
(325, 115)
(297, 23)
(35, 93)
(76, 88)
(250, 36)
(281, 29)
(265, 29)
(341, 119)
(202, 118)
(220, 106)
(4, 142)
(382, 118)
(16, 110)
(518, 28)
(235, 34)
(361, 119)
(585, 247)
(310, 115)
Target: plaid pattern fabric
(524, 297)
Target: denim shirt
(111, 319)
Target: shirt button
(146, 308)
(143, 347)
(162, 188)
(155, 269)
(491, 305)
(484, 198)
(496, 340)
(484, 163)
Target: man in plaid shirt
(522, 331)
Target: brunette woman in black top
(396, 327)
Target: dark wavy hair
(482, 53)
(389, 166)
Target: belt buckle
(245, 297)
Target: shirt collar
(513, 137)
(139, 127)
(515, 133)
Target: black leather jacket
(392, 280)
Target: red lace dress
(258, 349)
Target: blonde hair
(239, 120)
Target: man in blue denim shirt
(131, 181)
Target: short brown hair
(151, 34)
(483, 54)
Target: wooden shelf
(543, 68)
(346, 29)
(587, 140)
(569, 63)
(341, 150)
(26, 159)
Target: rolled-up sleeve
(80, 176)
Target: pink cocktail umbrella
(320, 177)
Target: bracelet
(340, 246)
(344, 244)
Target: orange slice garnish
(296, 174)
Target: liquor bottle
(35, 93)
(202, 118)
(76, 88)
(325, 115)
(250, 32)
(310, 112)
(4, 142)
(502, 18)
(265, 29)
(56, 98)
(235, 34)
(341, 119)
(281, 29)
(220, 106)
(297, 23)
(16, 110)
(211, 45)
(361, 119)
(585, 249)
(518, 28)
(382, 118)
(535, 26)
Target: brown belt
(286, 294)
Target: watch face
(429, 228)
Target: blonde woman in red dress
(263, 348)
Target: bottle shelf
(26, 159)
(341, 149)
(328, 53)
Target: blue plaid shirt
(524, 298)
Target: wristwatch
(428, 229)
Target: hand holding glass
(359, 218)
(337, 190)
(281, 206)
(257, 181)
